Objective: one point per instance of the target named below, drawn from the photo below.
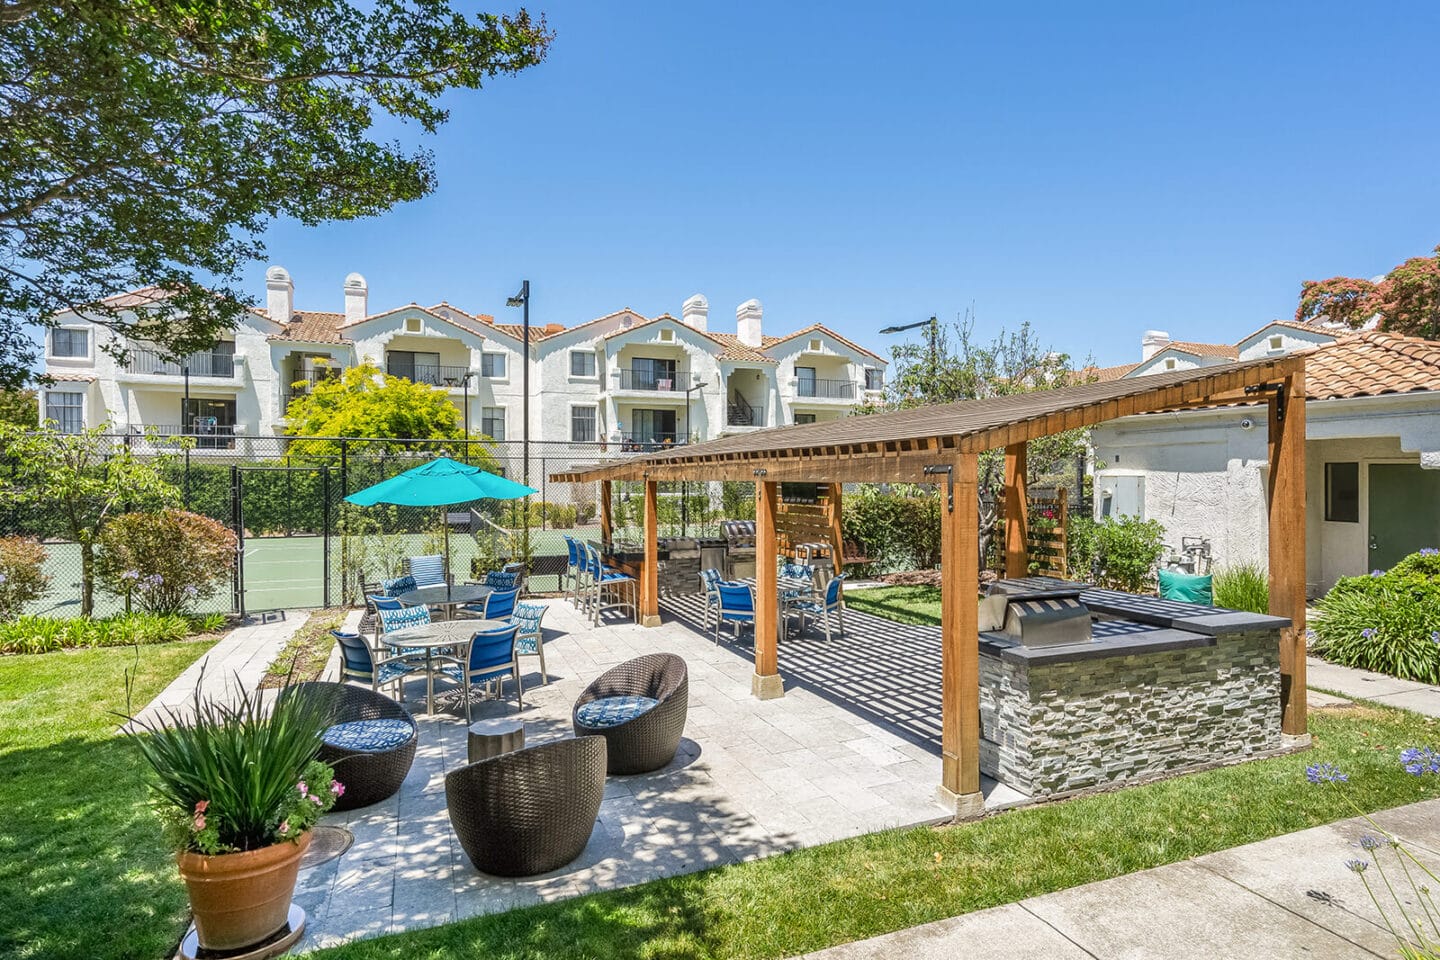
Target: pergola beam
(1287, 544)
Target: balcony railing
(219, 436)
(204, 364)
(640, 379)
(826, 389)
(740, 413)
(436, 376)
(650, 442)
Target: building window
(815, 346)
(1276, 343)
(492, 366)
(582, 363)
(1169, 364)
(66, 409)
(412, 324)
(69, 343)
(874, 378)
(667, 335)
(1342, 492)
(804, 418)
(582, 424)
(492, 422)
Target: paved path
(1287, 897)
(1364, 685)
(246, 652)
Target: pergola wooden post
(766, 683)
(960, 639)
(837, 534)
(650, 569)
(1287, 544)
(606, 519)
(1017, 513)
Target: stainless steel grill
(1044, 612)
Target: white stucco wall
(1257, 345)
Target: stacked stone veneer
(1065, 725)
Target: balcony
(435, 376)
(825, 389)
(650, 380)
(206, 364)
(206, 436)
(650, 442)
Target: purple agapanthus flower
(1420, 760)
(1377, 573)
(1429, 551)
(1325, 773)
(1435, 637)
(1367, 633)
(1356, 866)
(130, 575)
(1370, 843)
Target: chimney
(747, 323)
(1153, 342)
(279, 295)
(695, 312)
(357, 298)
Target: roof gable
(821, 328)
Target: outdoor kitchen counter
(1161, 687)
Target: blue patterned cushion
(501, 580)
(397, 586)
(613, 711)
(408, 617)
(369, 736)
(428, 571)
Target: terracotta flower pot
(240, 899)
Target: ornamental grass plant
(1242, 586)
(239, 775)
(1388, 622)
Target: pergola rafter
(941, 444)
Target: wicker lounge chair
(530, 811)
(639, 708)
(371, 742)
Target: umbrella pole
(445, 522)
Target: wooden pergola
(941, 445)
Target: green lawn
(83, 870)
(874, 884)
(901, 604)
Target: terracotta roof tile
(733, 349)
(71, 377)
(1224, 350)
(1370, 364)
(310, 326)
(821, 328)
(138, 298)
(1291, 324)
(1106, 374)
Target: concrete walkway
(1363, 685)
(245, 653)
(1287, 897)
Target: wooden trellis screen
(816, 522)
(1049, 517)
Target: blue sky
(1095, 169)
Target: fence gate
(283, 523)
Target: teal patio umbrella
(440, 483)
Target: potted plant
(238, 787)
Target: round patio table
(445, 597)
(438, 636)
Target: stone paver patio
(850, 749)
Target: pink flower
(337, 788)
(304, 790)
(315, 798)
(284, 827)
(202, 806)
(199, 822)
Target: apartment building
(622, 379)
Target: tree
(1405, 301)
(20, 407)
(148, 143)
(87, 479)
(961, 367)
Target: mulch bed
(924, 578)
(305, 656)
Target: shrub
(1388, 622)
(899, 530)
(22, 577)
(1242, 586)
(1118, 552)
(165, 561)
(47, 634)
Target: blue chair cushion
(394, 671)
(428, 570)
(613, 711)
(369, 736)
(397, 586)
(407, 617)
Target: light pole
(465, 409)
(522, 299)
(699, 385)
(934, 342)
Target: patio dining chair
(358, 662)
(428, 571)
(570, 579)
(502, 579)
(529, 642)
(374, 603)
(606, 583)
(709, 577)
(392, 619)
(490, 655)
(823, 606)
(737, 606)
